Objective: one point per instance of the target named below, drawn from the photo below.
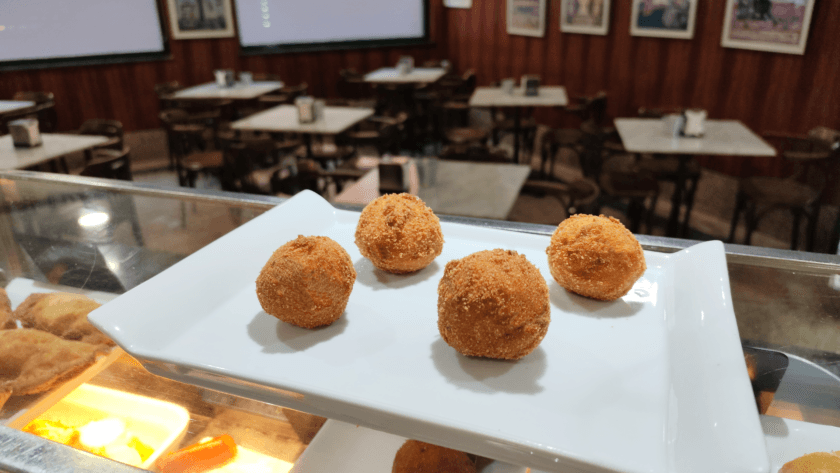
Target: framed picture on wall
(767, 25)
(663, 18)
(585, 16)
(195, 19)
(526, 17)
(457, 3)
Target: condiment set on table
(530, 85)
(689, 124)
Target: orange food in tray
(200, 457)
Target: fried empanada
(32, 361)
(63, 314)
(6, 319)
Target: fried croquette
(33, 361)
(6, 319)
(819, 462)
(493, 303)
(399, 234)
(595, 257)
(62, 314)
(307, 282)
(420, 457)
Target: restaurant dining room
(410, 236)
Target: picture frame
(526, 17)
(762, 25)
(457, 3)
(585, 16)
(663, 18)
(199, 19)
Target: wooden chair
(164, 93)
(799, 193)
(183, 136)
(102, 127)
(618, 177)
(381, 133)
(391, 179)
(575, 197)
(286, 95)
(44, 109)
(109, 164)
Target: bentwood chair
(799, 193)
(113, 129)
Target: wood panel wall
(126, 91)
(767, 91)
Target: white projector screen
(43, 30)
(297, 24)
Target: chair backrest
(166, 88)
(296, 90)
(103, 127)
(596, 108)
(391, 178)
(110, 164)
(265, 76)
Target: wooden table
(53, 146)
(547, 96)
(9, 106)
(482, 190)
(284, 119)
(722, 137)
(239, 91)
(420, 75)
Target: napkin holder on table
(673, 124)
(225, 77)
(246, 78)
(694, 123)
(25, 133)
(305, 109)
(508, 85)
(405, 65)
(531, 85)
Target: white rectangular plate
(653, 382)
(349, 448)
(789, 439)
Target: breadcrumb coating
(493, 303)
(6, 319)
(307, 282)
(398, 233)
(818, 462)
(595, 257)
(419, 457)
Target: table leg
(307, 140)
(517, 128)
(677, 198)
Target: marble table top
(549, 96)
(239, 91)
(469, 189)
(722, 137)
(53, 146)
(284, 118)
(390, 75)
(7, 106)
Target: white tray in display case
(650, 383)
(349, 448)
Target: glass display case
(103, 238)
